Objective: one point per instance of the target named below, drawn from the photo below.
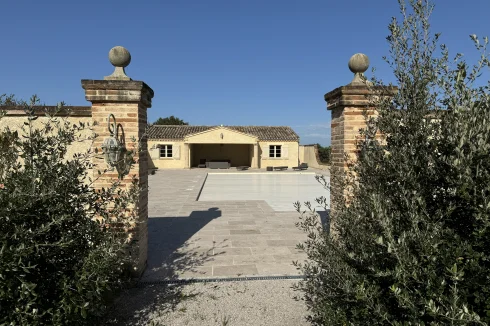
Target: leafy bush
(62, 249)
(324, 153)
(411, 246)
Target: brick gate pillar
(348, 105)
(128, 101)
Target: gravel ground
(269, 302)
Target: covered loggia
(236, 154)
(222, 145)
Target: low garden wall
(16, 116)
(309, 154)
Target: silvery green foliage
(412, 246)
(63, 249)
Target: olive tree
(411, 245)
(63, 247)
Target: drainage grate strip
(224, 279)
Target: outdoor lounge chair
(280, 168)
(218, 165)
(302, 166)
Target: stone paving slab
(203, 239)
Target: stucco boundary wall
(309, 154)
(16, 116)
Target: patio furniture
(242, 168)
(218, 165)
(202, 163)
(302, 166)
(280, 168)
(269, 168)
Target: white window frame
(275, 151)
(166, 151)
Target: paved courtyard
(223, 237)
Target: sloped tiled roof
(264, 133)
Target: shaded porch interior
(237, 154)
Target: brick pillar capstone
(128, 101)
(348, 105)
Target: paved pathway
(201, 239)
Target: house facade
(183, 147)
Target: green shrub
(61, 255)
(324, 153)
(412, 247)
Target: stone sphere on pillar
(119, 56)
(359, 63)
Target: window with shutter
(155, 153)
(285, 151)
(166, 151)
(275, 151)
(176, 152)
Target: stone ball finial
(119, 58)
(359, 63)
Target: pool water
(279, 190)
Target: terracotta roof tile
(264, 133)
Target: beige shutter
(285, 151)
(176, 152)
(155, 153)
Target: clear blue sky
(210, 62)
